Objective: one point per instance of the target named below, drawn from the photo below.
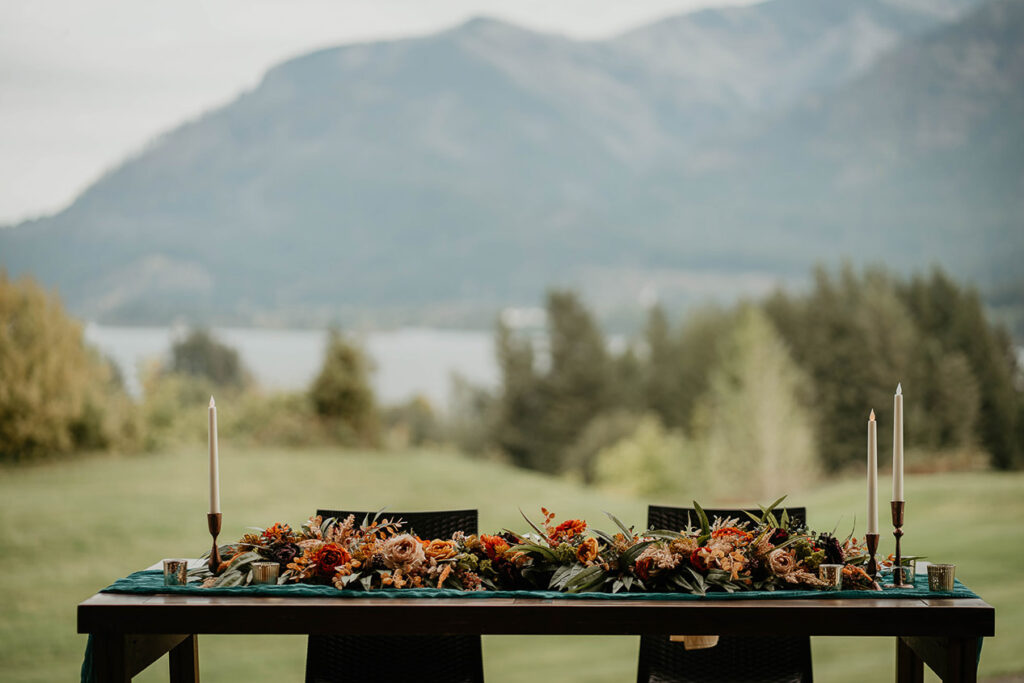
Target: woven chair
(424, 659)
(736, 659)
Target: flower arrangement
(766, 552)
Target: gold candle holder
(213, 520)
(898, 570)
(872, 541)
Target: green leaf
(627, 581)
(776, 503)
(664, 534)
(560, 576)
(325, 525)
(244, 559)
(367, 582)
(617, 585)
(680, 582)
(604, 536)
(585, 578)
(701, 585)
(228, 579)
(784, 519)
(705, 526)
(757, 520)
(628, 532)
(547, 553)
(631, 553)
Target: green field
(68, 529)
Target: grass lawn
(68, 529)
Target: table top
(189, 613)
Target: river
(407, 361)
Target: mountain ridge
(440, 177)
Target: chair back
(765, 659)
(423, 659)
(663, 517)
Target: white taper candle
(872, 474)
(214, 462)
(897, 444)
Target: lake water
(407, 361)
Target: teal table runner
(151, 582)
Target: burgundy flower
(779, 536)
(284, 553)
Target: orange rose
(440, 550)
(328, 556)
(587, 552)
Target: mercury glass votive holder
(832, 575)
(175, 572)
(265, 573)
(941, 576)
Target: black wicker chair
(736, 659)
(424, 659)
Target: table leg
(110, 659)
(962, 660)
(184, 661)
(909, 667)
(954, 660)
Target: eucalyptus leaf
(633, 552)
(665, 534)
(705, 526)
(625, 530)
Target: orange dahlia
(568, 529)
(493, 545)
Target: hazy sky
(83, 83)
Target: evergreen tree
(341, 392)
(955, 319)
(200, 354)
(578, 384)
(519, 409)
(663, 390)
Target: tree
(578, 385)
(519, 409)
(56, 394)
(955, 319)
(754, 428)
(200, 354)
(341, 392)
(652, 461)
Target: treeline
(744, 400)
(751, 393)
(59, 396)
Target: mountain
(434, 179)
(924, 153)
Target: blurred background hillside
(607, 256)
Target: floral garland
(724, 554)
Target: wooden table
(130, 632)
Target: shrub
(56, 395)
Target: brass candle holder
(898, 579)
(213, 520)
(872, 541)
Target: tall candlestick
(872, 474)
(897, 444)
(214, 463)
